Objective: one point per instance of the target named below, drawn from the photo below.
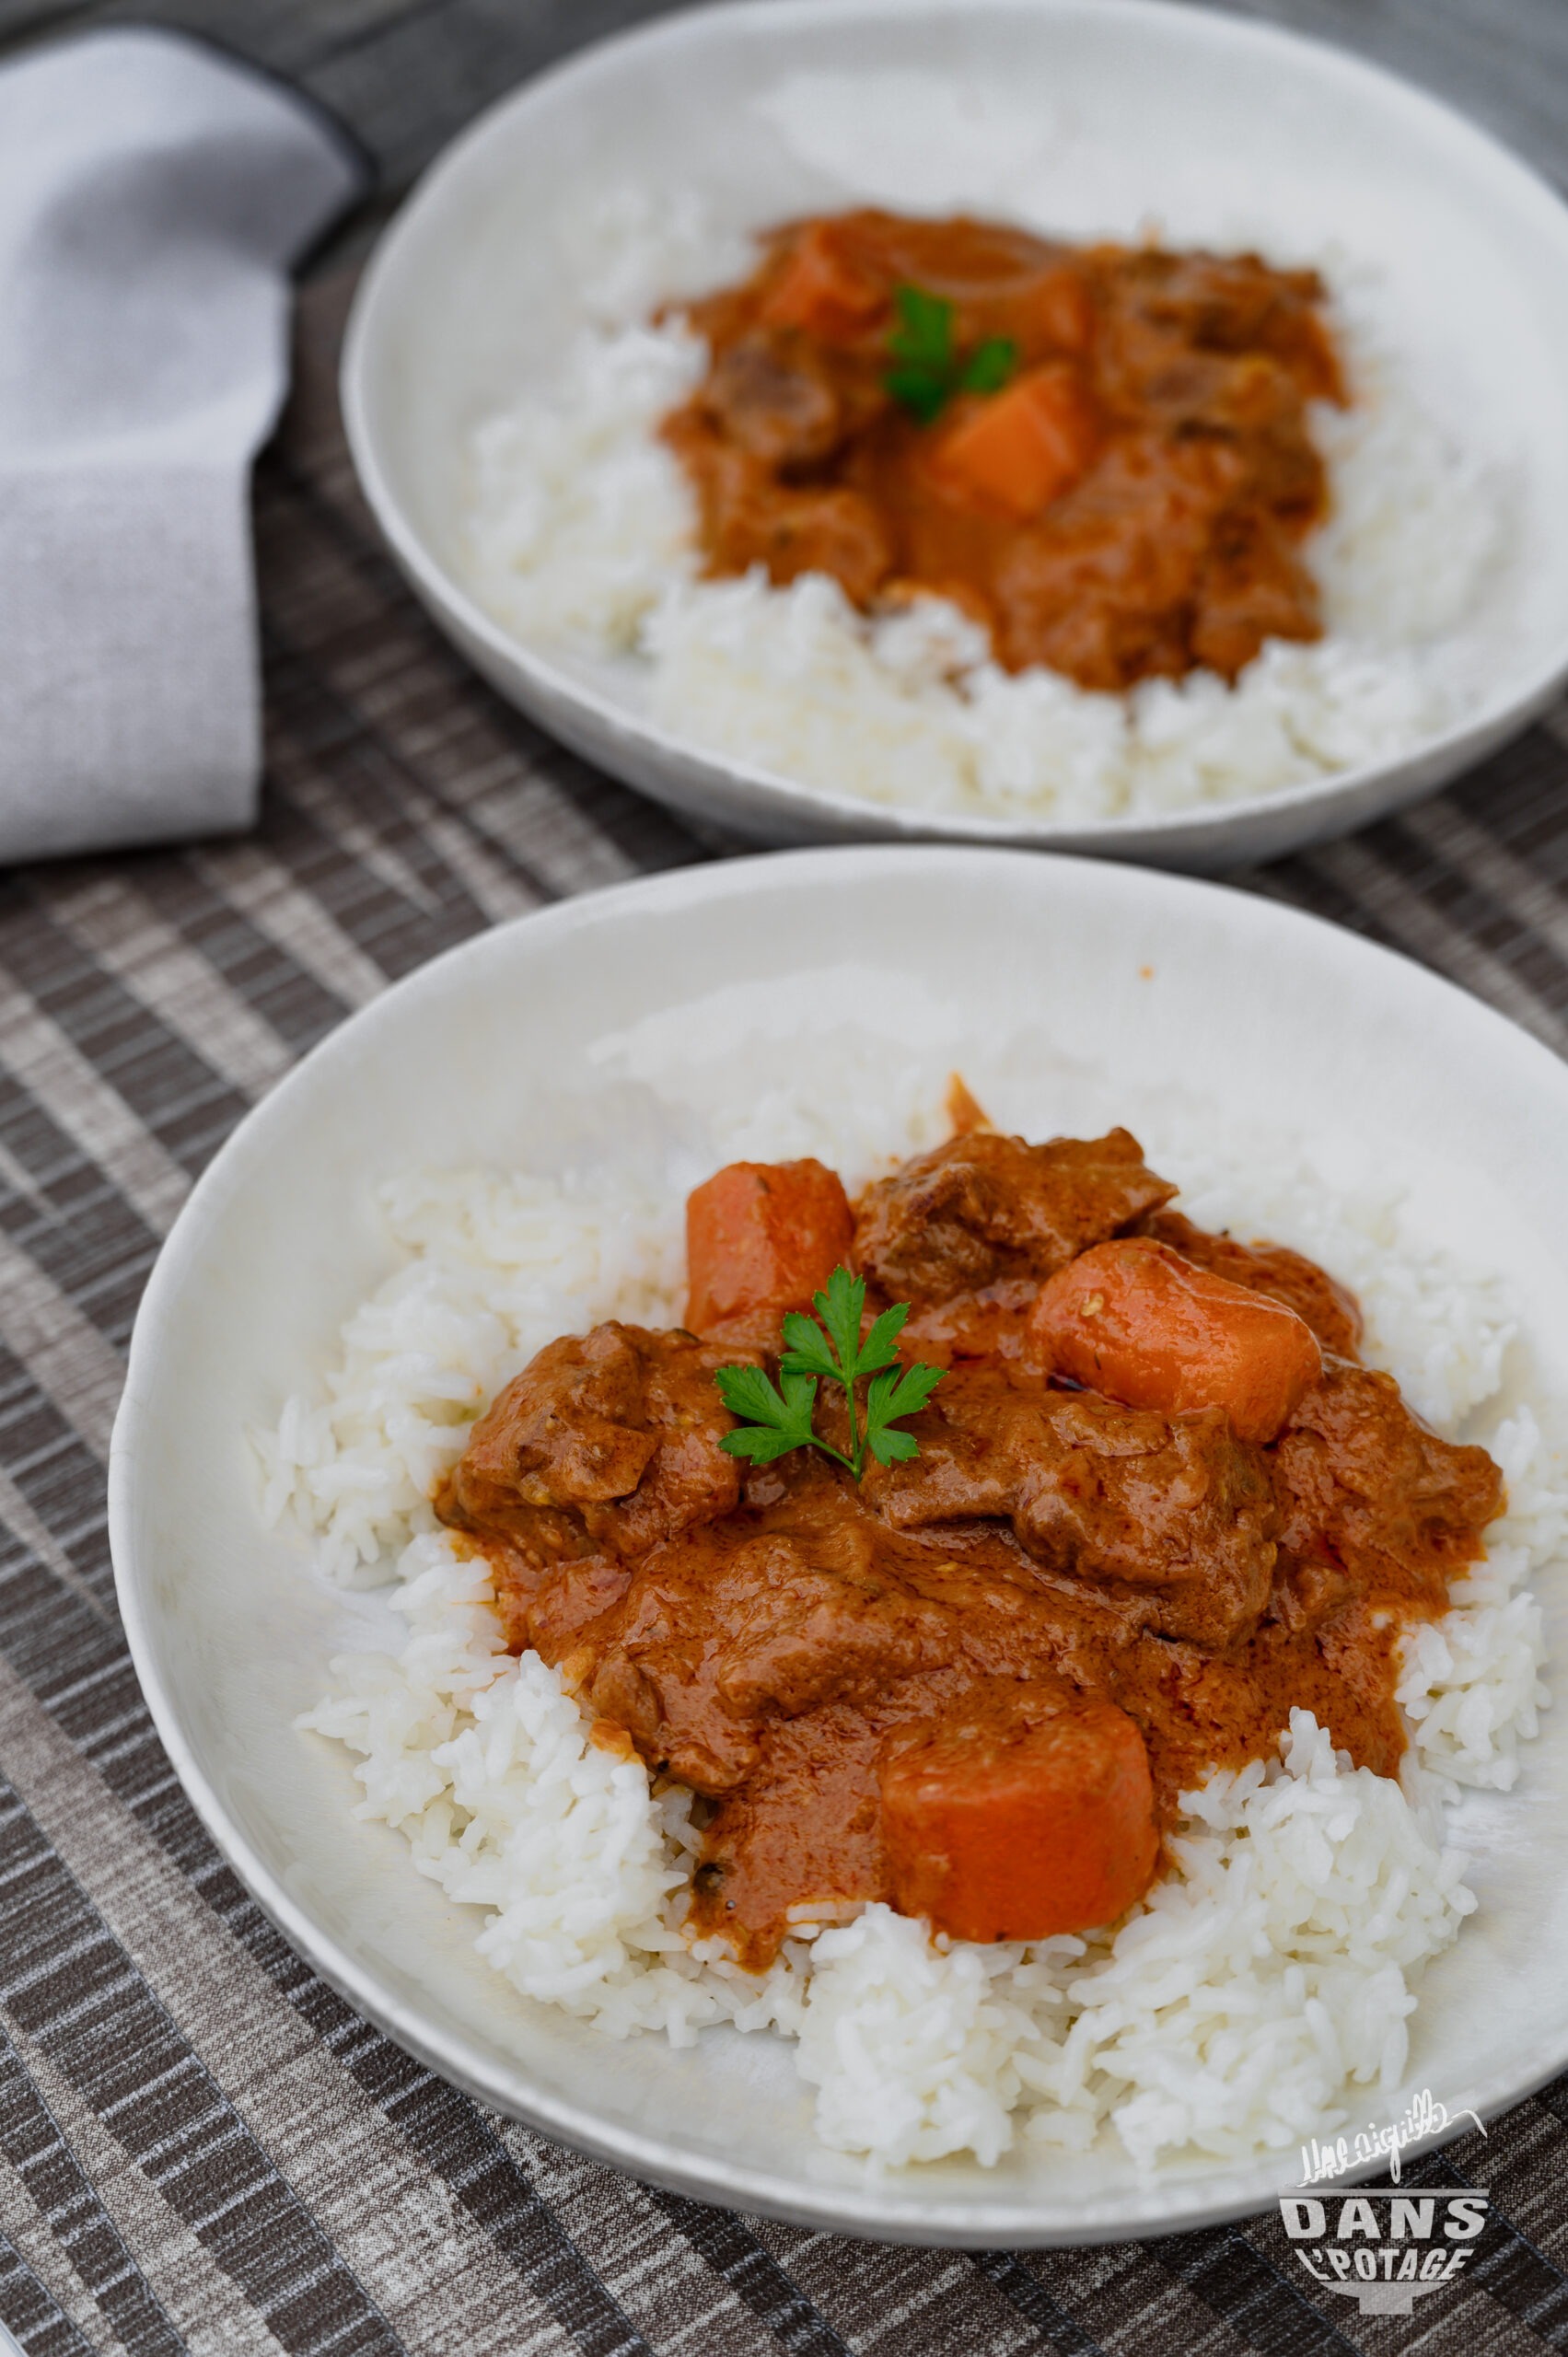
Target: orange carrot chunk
(762, 1236)
(1032, 1830)
(1025, 445)
(821, 289)
(1134, 1320)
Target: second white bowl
(1093, 116)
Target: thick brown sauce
(1144, 519)
(774, 1636)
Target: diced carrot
(1024, 446)
(762, 1236)
(1042, 1828)
(821, 289)
(1133, 1319)
(965, 1114)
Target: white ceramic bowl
(1091, 115)
(1132, 993)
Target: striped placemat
(203, 2148)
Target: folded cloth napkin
(153, 195)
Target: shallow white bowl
(1092, 116)
(598, 1027)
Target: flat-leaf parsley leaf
(927, 372)
(776, 1418)
(989, 366)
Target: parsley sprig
(778, 1417)
(928, 372)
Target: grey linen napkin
(152, 198)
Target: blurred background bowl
(1093, 117)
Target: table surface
(201, 2147)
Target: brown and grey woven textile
(200, 2147)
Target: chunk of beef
(984, 1208)
(1254, 583)
(792, 531)
(1175, 1509)
(1102, 590)
(1362, 1482)
(804, 1831)
(777, 395)
(1157, 303)
(606, 1441)
(729, 1628)
(1333, 1313)
(753, 514)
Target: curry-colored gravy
(786, 1643)
(1130, 502)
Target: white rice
(581, 537)
(1274, 1970)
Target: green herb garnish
(989, 366)
(928, 371)
(778, 1417)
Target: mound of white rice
(1271, 1971)
(580, 535)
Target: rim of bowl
(1179, 2200)
(770, 792)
